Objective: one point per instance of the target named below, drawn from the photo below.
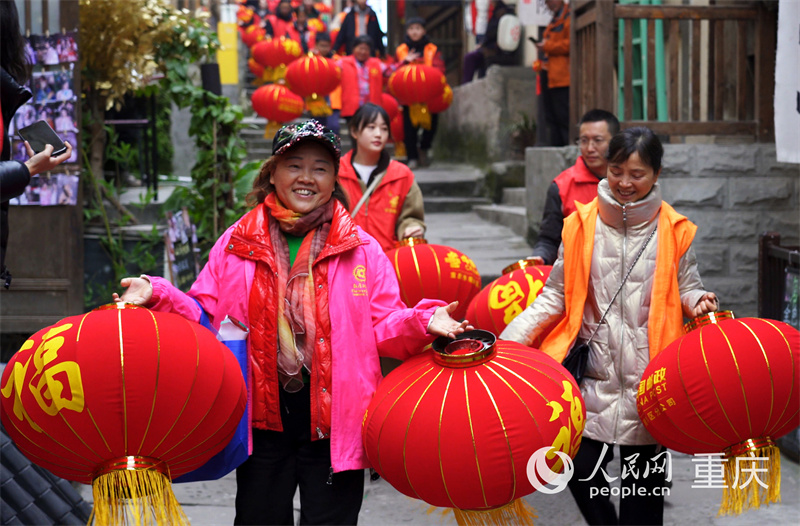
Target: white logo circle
(537, 469)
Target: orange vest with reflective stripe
(665, 319)
(428, 53)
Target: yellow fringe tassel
(400, 149)
(517, 512)
(135, 497)
(317, 106)
(271, 129)
(736, 499)
(420, 116)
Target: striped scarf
(296, 298)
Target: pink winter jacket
(397, 331)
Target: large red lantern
(125, 399)
(278, 105)
(505, 298)
(275, 55)
(313, 77)
(457, 426)
(252, 34)
(729, 386)
(390, 104)
(414, 85)
(435, 272)
(442, 101)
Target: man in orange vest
(428, 54)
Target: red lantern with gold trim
(313, 77)
(275, 55)
(729, 386)
(434, 272)
(442, 101)
(505, 298)
(125, 399)
(398, 134)
(252, 34)
(257, 70)
(278, 105)
(414, 85)
(458, 426)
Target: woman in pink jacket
(321, 302)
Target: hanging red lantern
(278, 105)
(313, 77)
(252, 34)
(435, 272)
(275, 55)
(123, 398)
(414, 85)
(441, 102)
(505, 298)
(729, 386)
(390, 104)
(397, 127)
(256, 69)
(456, 426)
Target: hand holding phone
(39, 134)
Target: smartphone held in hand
(39, 134)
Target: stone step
(514, 217)
(514, 196)
(436, 204)
(450, 180)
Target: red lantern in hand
(442, 101)
(505, 298)
(435, 272)
(125, 399)
(414, 85)
(275, 55)
(313, 77)
(730, 386)
(456, 426)
(278, 105)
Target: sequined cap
(293, 134)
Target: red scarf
(296, 298)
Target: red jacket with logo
(350, 92)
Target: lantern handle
(467, 349)
(710, 318)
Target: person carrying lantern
(627, 296)
(281, 24)
(387, 201)
(428, 54)
(321, 302)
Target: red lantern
(390, 104)
(275, 55)
(414, 85)
(729, 386)
(278, 105)
(435, 272)
(441, 102)
(456, 427)
(123, 398)
(252, 34)
(398, 134)
(256, 69)
(313, 77)
(505, 298)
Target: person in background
(487, 52)
(322, 303)
(663, 286)
(281, 23)
(14, 175)
(428, 54)
(387, 202)
(324, 48)
(361, 20)
(306, 34)
(554, 79)
(576, 184)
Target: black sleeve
(14, 177)
(267, 25)
(377, 35)
(549, 239)
(341, 36)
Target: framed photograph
(67, 185)
(44, 88)
(66, 45)
(63, 82)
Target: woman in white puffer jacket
(600, 242)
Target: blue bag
(233, 334)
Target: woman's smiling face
(304, 177)
(631, 180)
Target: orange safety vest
(350, 91)
(428, 53)
(556, 49)
(378, 216)
(665, 319)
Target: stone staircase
(510, 211)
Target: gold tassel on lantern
(517, 512)
(271, 129)
(317, 106)
(135, 491)
(420, 116)
(735, 498)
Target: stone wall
(732, 193)
(488, 107)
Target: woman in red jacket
(386, 200)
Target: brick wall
(732, 193)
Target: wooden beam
(577, 52)
(673, 47)
(627, 113)
(652, 105)
(697, 128)
(741, 70)
(587, 19)
(685, 12)
(766, 29)
(695, 68)
(719, 68)
(604, 53)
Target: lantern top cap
(468, 349)
(711, 318)
(520, 264)
(410, 242)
